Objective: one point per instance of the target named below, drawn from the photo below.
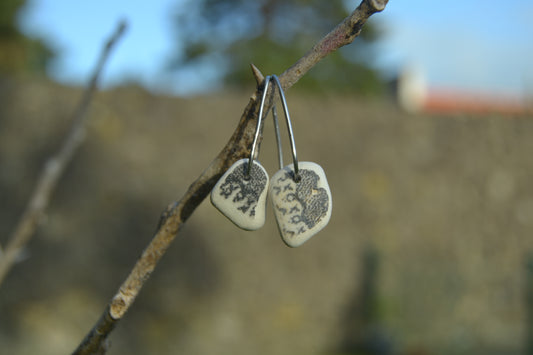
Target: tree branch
(238, 147)
(54, 167)
(343, 34)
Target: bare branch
(343, 34)
(54, 167)
(238, 147)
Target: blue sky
(476, 45)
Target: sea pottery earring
(300, 193)
(241, 192)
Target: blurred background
(423, 127)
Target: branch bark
(238, 147)
(54, 167)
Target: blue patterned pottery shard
(301, 208)
(242, 197)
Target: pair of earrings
(299, 192)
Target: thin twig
(54, 167)
(238, 147)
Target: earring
(299, 192)
(241, 192)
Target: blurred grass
(446, 203)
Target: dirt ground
(426, 251)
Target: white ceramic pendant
(301, 208)
(240, 197)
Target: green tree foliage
(18, 53)
(272, 34)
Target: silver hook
(276, 126)
(278, 137)
(258, 127)
(289, 128)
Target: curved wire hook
(289, 128)
(258, 127)
(278, 137)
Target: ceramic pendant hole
(297, 178)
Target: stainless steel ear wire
(278, 137)
(276, 126)
(289, 128)
(258, 127)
